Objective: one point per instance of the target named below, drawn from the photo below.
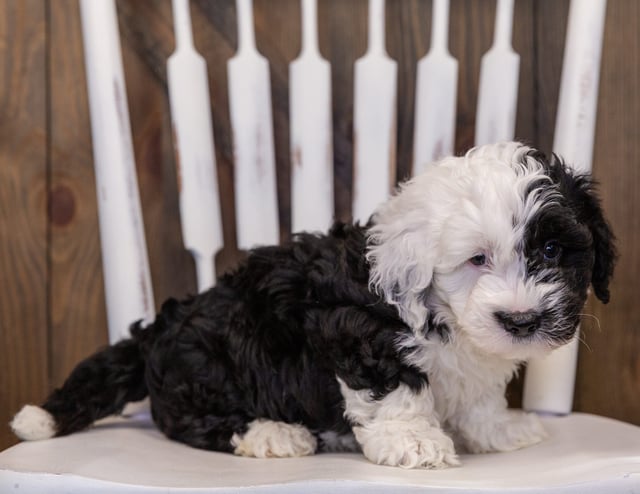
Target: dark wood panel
(470, 37)
(145, 49)
(408, 39)
(609, 366)
(23, 206)
(77, 308)
(550, 27)
(524, 44)
(343, 39)
(278, 33)
(215, 33)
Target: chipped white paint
(252, 128)
(194, 149)
(124, 252)
(374, 120)
(436, 93)
(498, 90)
(311, 131)
(549, 383)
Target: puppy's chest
(459, 375)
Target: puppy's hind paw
(407, 445)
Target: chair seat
(584, 454)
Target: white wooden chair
(584, 454)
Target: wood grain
(550, 28)
(214, 26)
(23, 194)
(145, 49)
(471, 27)
(77, 307)
(406, 47)
(343, 39)
(281, 46)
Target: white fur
(422, 241)
(270, 439)
(461, 207)
(458, 208)
(468, 389)
(33, 423)
(401, 429)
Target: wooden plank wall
(51, 295)
(24, 183)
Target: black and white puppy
(396, 338)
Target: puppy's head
(500, 245)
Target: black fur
(266, 342)
(580, 192)
(578, 221)
(99, 386)
(573, 220)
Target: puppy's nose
(519, 323)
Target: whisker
(593, 317)
(584, 342)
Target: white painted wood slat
(311, 131)
(252, 129)
(194, 149)
(374, 120)
(125, 264)
(436, 94)
(498, 90)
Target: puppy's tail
(99, 386)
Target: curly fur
(401, 334)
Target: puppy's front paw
(505, 432)
(406, 445)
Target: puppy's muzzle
(519, 323)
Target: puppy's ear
(579, 189)
(401, 255)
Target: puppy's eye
(551, 250)
(478, 260)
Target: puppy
(396, 338)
